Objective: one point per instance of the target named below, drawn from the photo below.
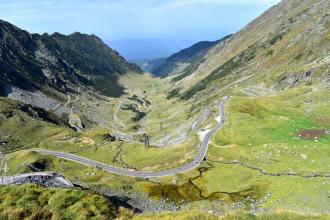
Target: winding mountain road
(125, 172)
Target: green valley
(237, 128)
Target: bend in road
(125, 172)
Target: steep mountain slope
(71, 77)
(292, 37)
(275, 143)
(65, 75)
(30, 61)
(181, 61)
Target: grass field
(33, 202)
(267, 132)
(263, 144)
(195, 214)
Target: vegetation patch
(173, 93)
(204, 188)
(276, 38)
(252, 108)
(312, 133)
(141, 101)
(39, 165)
(270, 52)
(35, 202)
(107, 87)
(187, 71)
(134, 108)
(299, 56)
(34, 125)
(225, 69)
(232, 215)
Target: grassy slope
(263, 133)
(291, 35)
(195, 214)
(32, 202)
(31, 127)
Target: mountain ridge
(181, 61)
(268, 43)
(59, 61)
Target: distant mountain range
(181, 61)
(146, 49)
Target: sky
(134, 19)
(120, 20)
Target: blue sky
(135, 19)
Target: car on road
(98, 167)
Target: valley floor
(273, 153)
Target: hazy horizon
(113, 21)
(149, 48)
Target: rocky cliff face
(37, 62)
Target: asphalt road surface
(125, 172)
